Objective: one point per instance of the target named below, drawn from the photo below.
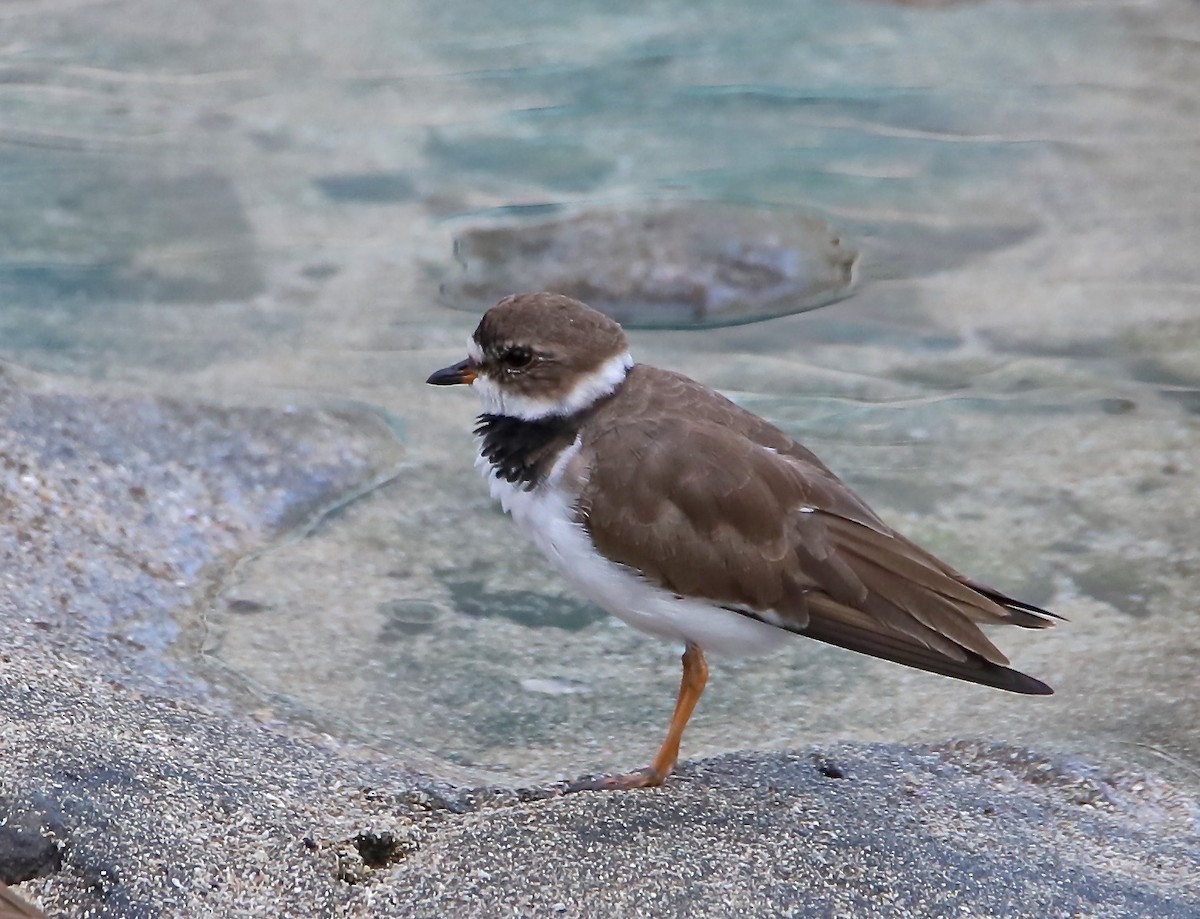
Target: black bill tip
(462, 372)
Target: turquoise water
(257, 202)
(187, 184)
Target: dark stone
(319, 271)
(1121, 583)
(367, 187)
(26, 854)
(405, 618)
(828, 768)
(1117, 406)
(524, 607)
(242, 606)
(687, 265)
(378, 850)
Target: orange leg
(691, 686)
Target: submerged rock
(671, 266)
(117, 510)
(367, 187)
(77, 229)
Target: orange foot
(691, 685)
(642, 778)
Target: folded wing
(769, 532)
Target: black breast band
(523, 452)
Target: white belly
(546, 514)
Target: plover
(696, 521)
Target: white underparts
(595, 385)
(547, 515)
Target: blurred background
(950, 246)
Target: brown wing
(725, 507)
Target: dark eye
(517, 357)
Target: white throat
(596, 385)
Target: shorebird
(696, 521)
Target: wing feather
(846, 628)
(720, 505)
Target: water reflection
(223, 199)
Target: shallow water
(252, 201)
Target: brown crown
(569, 339)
